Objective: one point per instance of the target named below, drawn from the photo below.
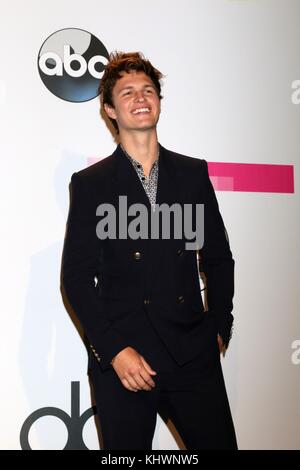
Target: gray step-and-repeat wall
(231, 96)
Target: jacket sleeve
(217, 261)
(80, 266)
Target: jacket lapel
(128, 183)
(168, 191)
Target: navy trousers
(192, 396)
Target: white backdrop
(231, 94)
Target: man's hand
(133, 370)
(222, 346)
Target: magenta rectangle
(252, 177)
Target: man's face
(136, 103)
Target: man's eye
(127, 93)
(149, 91)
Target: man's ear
(110, 111)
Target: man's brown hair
(126, 62)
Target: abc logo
(71, 63)
(74, 422)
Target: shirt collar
(136, 162)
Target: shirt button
(146, 301)
(179, 252)
(180, 299)
(137, 255)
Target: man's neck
(141, 146)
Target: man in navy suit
(153, 346)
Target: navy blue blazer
(112, 283)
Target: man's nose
(139, 96)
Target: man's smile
(141, 110)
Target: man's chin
(145, 127)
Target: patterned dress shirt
(149, 183)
